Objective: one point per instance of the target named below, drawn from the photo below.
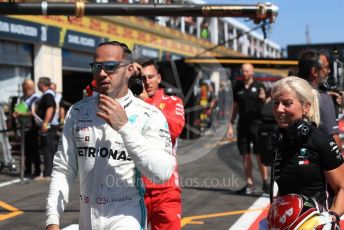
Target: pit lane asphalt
(211, 177)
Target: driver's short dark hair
(127, 54)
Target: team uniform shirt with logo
(109, 164)
(249, 107)
(173, 109)
(249, 103)
(298, 167)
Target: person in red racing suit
(163, 201)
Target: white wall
(48, 63)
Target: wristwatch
(335, 215)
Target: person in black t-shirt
(266, 129)
(44, 114)
(248, 103)
(306, 157)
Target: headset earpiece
(300, 130)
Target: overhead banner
(171, 56)
(30, 32)
(79, 33)
(25, 31)
(144, 51)
(81, 41)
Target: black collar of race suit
(126, 100)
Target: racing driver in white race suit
(110, 140)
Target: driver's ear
(129, 70)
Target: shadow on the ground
(240, 192)
(39, 210)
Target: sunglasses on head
(107, 66)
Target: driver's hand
(137, 68)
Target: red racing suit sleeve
(173, 109)
(174, 114)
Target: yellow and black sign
(87, 32)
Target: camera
(338, 74)
(135, 84)
(336, 79)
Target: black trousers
(48, 144)
(31, 152)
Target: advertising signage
(31, 32)
(81, 41)
(170, 56)
(144, 51)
